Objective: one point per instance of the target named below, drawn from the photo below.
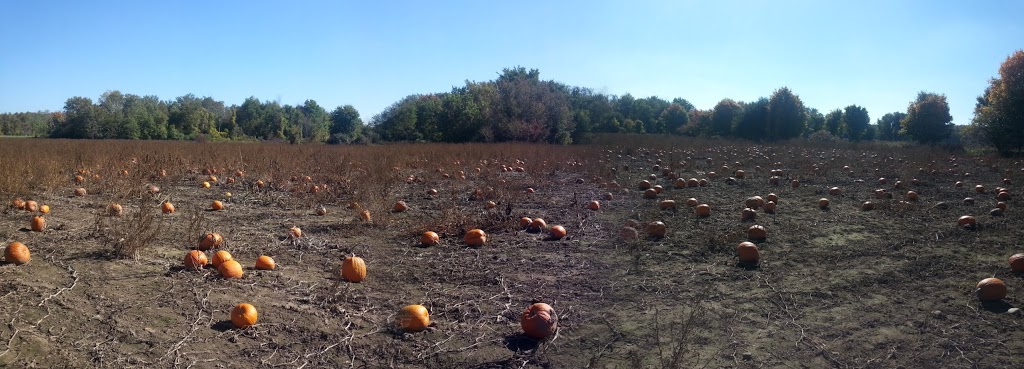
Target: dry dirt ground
(843, 288)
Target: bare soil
(843, 288)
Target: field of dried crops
(835, 287)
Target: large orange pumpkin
(757, 233)
(475, 238)
(195, 259)
(413, 318)
(231, 269)
(539, 321)
(748, 252)
(244, 316)
(265, 262)
(991, 289)
(17, 253)
(353, 269)
(220, 257)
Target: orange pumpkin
(18, 204)
(265, 262)
(1017, 263)
(210, 241)
(537, 225)
(524, 222)
(967, 221)
(244, 316)
(770, 207)
(539, 321)
(365, 216)
(657, 229)
(31, 206)
(650, 193)
(44, 209)
(430, 238)
(38, 224)
(321, 210)
(115, 210)
(195, 259)
(748, 252)
(400, 207)
(629, 233)
(912, 196)
(230, 269)
(867, 206)
(667, 204)
(702, 210)
(835, 191)
(475, 238)
(691, 202)
(295, 232)
(167, 207)
(823, 203)
(991, 289)
(217, 205)
(757, 233)
(80, 192)
(353, 269)
(17, 253)
(413, 318)
(594, 205)
(557, 232)
(220, 257)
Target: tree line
(519, 106)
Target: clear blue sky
(877, 54)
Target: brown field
(843, 288)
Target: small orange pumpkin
(38, 223)
(400, 207)
(557, 232)
(657, 229)
(195, 260)
(217, 205)
(413, 318)
(702, 210)
(537, 225)
(353, 269)
(167, 207)
(18, 204)
(967, 221)
(539, 321)
(265, 262)
(295, 232)
(1017, 263)
(230, 269)
(17, 253)
(691, 202)
(667, 204)
(991, 289)
(244, 316)
(524, 222)
(429, 238)
(823, 203)
(115, 210)
(31, 206)
(44, 209)
(594, 205)
(210, 241)
(475, 238)
(80, 192)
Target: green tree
(724, 116)
(999, 112)
(786, 115)
(889, 126)
(834, 122)
(815, 121)
(346, 125)
(856, 120)
(754, 121)
(928, 120)
(674, 118)
(82, 119)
